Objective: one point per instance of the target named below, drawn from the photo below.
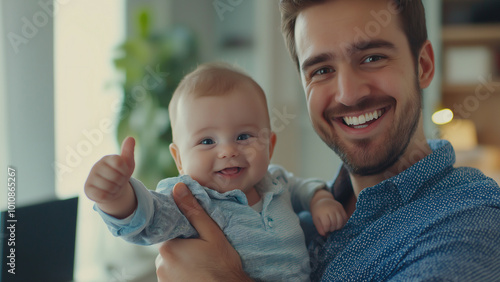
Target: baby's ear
(174, 151)
(272, 142)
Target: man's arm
(207, 258)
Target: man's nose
(352, 87)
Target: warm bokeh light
(461, 133)
(443, 116)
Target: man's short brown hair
(411, 15)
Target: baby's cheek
(250, 153)
(196, 171)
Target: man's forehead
(345, 25)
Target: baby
(222, 146)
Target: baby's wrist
(123, 206)
(319, 195)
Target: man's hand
(108, 182)
(328, 215)
(207, 258)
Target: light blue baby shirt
(271, 243)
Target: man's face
(360, 81)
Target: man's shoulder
(465, 197)
(466, 183)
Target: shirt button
(270, 222)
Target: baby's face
(224, 142)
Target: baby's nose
(228, 151)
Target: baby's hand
(108, 180)
(328, 214)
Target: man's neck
(416, 150)
(360, 182)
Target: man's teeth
(353, 121)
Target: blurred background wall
(62, 95)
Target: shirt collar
(341, 186)
(267, 187)
(407, 182)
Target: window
(87, 99)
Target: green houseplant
(153, 64)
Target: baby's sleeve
(156, 219)
(301, 190)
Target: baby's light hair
(211, 79)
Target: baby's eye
(207, 141)
(244, 136)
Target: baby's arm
(108, 182)
(157, 218)
(310, 195)
(328, 214)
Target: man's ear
(272, 142)
(426, 65)
(174, 151)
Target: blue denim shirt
(271, 243)
(430, 222)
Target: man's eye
(244, 136)
(372, 59)
(207, 141)
(322, 71)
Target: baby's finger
(100, 190)
(128, 153)
(112, 175)
(319, 226)
(115, 162)
(340, 221)
(327, 223)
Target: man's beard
(364, 159)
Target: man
(412, 215)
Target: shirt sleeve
(462, 248)
(301, 190)
(156, 219)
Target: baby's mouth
(230, 171)
(363, 120)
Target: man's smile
(363, 120)
(361, 124)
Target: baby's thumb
(128, 153)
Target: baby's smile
(230, 171)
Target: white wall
(432, 95)
(199, 16)
(27, 47)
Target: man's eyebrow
(316, 60)
(375, 44)
(348, 50)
